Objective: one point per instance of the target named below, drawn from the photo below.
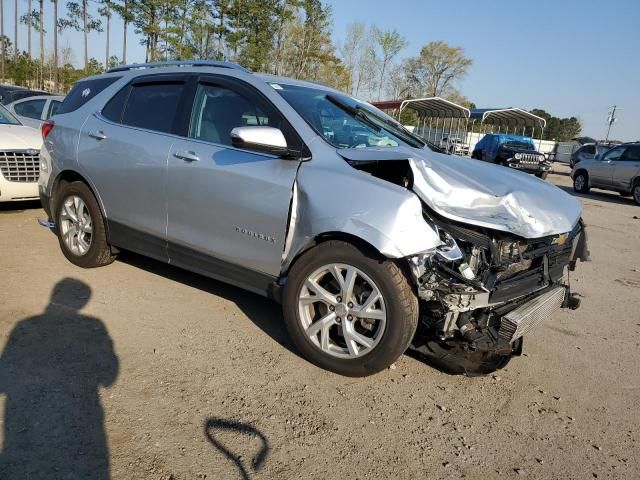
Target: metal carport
(441, 114)
(508, 120)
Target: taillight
(46, 128)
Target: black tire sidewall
(634, 195)
(399, 329)
(95, 254)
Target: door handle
(99, 135)
(187, 156)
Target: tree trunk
(106, 58)
(55, 45)
(384, 65)
(29, 29)
(124, 39)
(2, 45)
(84, 24)
(15, 32)
(41, 42)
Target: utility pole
(610, 119)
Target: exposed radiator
(518, 322)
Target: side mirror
(262, 139)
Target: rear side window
(83, 91)
(590, 149)
(30, 108)
(152, 106)
(53, 108)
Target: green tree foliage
(559, 129)
(434, 72)
(390, 42)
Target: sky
(568, 57)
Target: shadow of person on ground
(50, 371)
(215, 425)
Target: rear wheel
(349, 310)
(80, 227)
(581, 182)
(636, 193)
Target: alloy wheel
(342, 310)
(75, 225)
(579, 182)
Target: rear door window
(30, 108)
(153, 106)
(83, 91)
(632, 154)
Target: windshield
(343, 121)
(7, 118)
(518, 144)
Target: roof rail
(179, 63)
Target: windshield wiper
(371, 119)
(354, 111)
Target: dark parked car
(512, 151)
(588, 152)
(11, 93)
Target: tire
(636, 193)
(542, 175)
(88, 245)
(581, 182)
(389, 337)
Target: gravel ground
(139, 370)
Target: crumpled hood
(483, 194)
(19, 137)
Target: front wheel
(80, 227)
(636, 193)
(348, 310)
(581, 183)
(542, 175)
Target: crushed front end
(484, 289)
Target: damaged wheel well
(365, 248)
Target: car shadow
(602, 195)
(51, 369)
(264, 313)
(20, 206)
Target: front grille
(20, 166)
(518, 322)
(529, 158)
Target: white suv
(19, 159)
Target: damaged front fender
(334, 200)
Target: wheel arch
(68, 176)
(354, 240)
(584, 171)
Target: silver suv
(617, 169)
(293, 190)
